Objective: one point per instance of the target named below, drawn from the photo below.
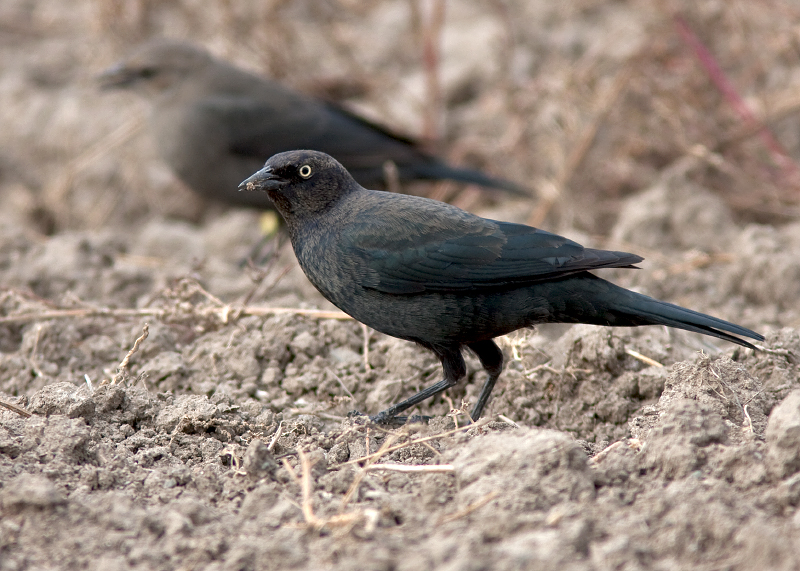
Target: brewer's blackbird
(216, 124)
(429, 272)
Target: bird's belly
(435, 317)
(428, 317)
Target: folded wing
(481, 254)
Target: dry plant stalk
(274, 441)
(412, 469)
(15, 408)
(470, 508)
(632, 443)
(347, 520)
(123, 366)
(507, 420)
(382, 451)
(222, 313)
(644, 358)
(370, 458)
(579, 151)
(57, 191)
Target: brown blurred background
(584, 101)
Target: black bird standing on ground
(216, 124)
(429, 272)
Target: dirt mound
(155, 480)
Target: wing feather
(479, 254)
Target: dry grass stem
(341, 384)
(15, 408)
(431, 468)
(311, 519)
(220, 313)
(600, 456)
(564, 370)
(122, 370)
(32, 360)
(643, 358)
(432, 23)
(382, 451)
(701, 260)
(579, 151)
(470, 508)
(370, 458)
(56, 192)
(367, 334)
(274, 440)
(507, 420)
(726, 87)
(305, 486)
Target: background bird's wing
(475, 256)
(261, 127)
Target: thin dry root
(122, 370)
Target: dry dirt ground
(224, 442)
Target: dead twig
(274, 441)
(122, 370)
(36, 370)
(367, 333)
(346, 520)
(644, 358)
(370, 458)
(15, 408)
(382, 451)
(341, 384)
(463, 408)
(430, 468)
(160, 313)
(507, 420)
(580, 150)
(305, 485)
(470, 508)
(564, 370)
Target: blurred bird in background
(216, 124)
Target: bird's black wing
(471, 254)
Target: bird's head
(301, 183)
(156, 67)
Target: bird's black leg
(454, 370)
(492, 360)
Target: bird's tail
(602, 303)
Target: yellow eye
(305, 171)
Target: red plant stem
(433, 22)
(728, 91)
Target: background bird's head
(157, 67)
(301, 183)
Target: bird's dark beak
(264, 180)
(116, 76)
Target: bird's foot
(386, 419)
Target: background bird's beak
(264, 179)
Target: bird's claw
(385, 419)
